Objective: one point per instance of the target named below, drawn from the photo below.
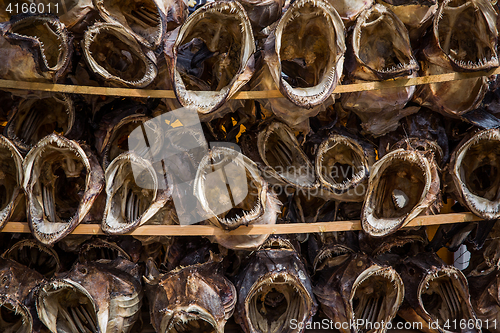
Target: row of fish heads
(193, 285)
(304, 49)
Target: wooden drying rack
(205, 230)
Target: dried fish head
(262, 13)
(11, 179)
(283, 157)
(34, 255)
(73, 14)
(342, 166)
(305, 53)
(474, 166)
(465, 36)
(145, 20)
(62, 179)
(103, 296)
(133, 193)
(381, 46)
(435, 293)
(37, 118)
(35, 48)
(115, 56)
(360, 291)
(273, 289)
(232, 193)
(484, 290)
(16, 293)
(402, 185)
(212, 56)
(196, 298)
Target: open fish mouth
(192, 318)
(306, 54)
(285, 160)
(11, 179)
(47, 39)
(376, 296)
(61, 181)
(342, 168)
(274, 300)
(65, 306)
(397, 192)
(14, 316)
(212, 56)
(133, 194)
(36, 118)
(145, 20)
(34, 255)
(230, 189)
(114, 55)
(444, 296)
(381, 46)
(125, 138)
(466, 34)
(474, 169)
(98, 249)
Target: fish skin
(273, 263)
(25, 56)
(94, 185)
(11, 166)
(190, 290)
(413, 271)
(18, 288)
(113, 286)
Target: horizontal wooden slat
(297, 228)
(144, 93)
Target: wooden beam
(291, 228)
(148, 93)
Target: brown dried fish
(380, 49)
(273, 290)
(196, 298)
(33, 119)
(211, 57)
(34, 255)
(349, 10)
(34, 48)
(62, 180)
(435, 294)
(402, 185)
(305, 53)
(474, 166)
(115, 56)
(134, 194)
(262, 13)
(352, 288)
(232, 193)
(103, 296)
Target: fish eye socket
(411, 271)
(82, 270)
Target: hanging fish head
(274, 288)
(116, 57)
(305, 53)
(196, 298)
(474, 167)
(212, 56)
(401, 186)
(62, 180)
